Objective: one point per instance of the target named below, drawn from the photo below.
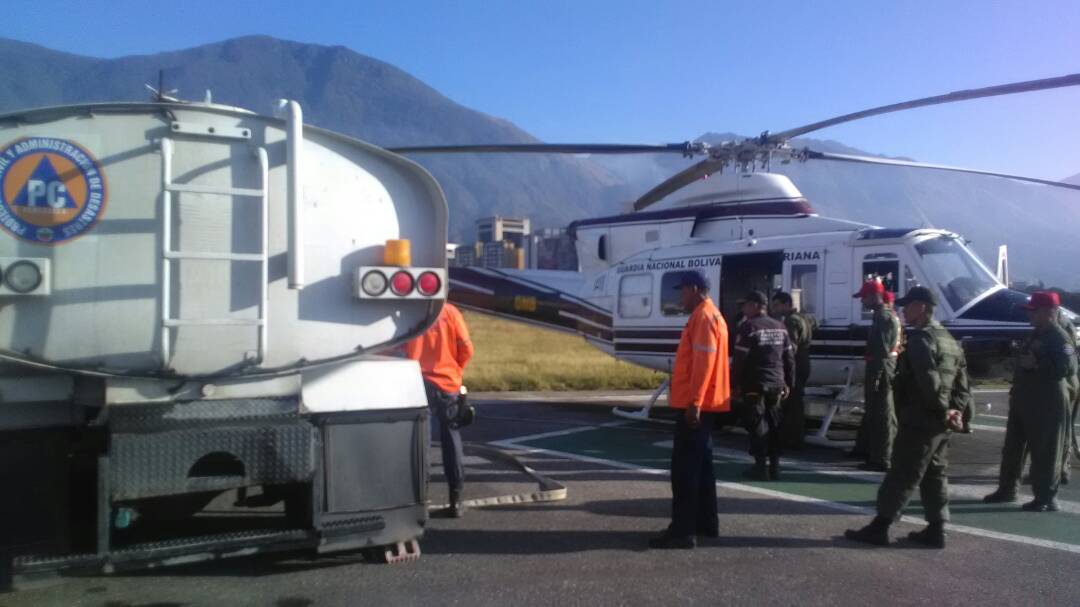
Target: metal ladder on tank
(169, 255)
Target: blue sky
(638, 71)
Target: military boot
(933, 535)
(876, 533)
(457, 505)
(1035, 505)
(757, 472)
(774, 468)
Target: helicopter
(744, 227)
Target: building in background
(508, 242)
(503, 229)
(552, 249)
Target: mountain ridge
(373, 100)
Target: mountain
(354, 94)
(340, 90)
(1038, 223)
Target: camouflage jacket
(931, 376)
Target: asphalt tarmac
(781, 543)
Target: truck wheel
(175, 507)
(298, 505)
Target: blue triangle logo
(39, 184)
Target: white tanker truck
(189, 298)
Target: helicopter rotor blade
(686, 148)
(964, 95)
(679, 180)
(771, 141)
(814, 155)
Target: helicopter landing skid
(821, 436)
(642, 415)
(839, 399)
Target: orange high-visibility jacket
(444, 350)
(701, 375)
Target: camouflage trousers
(919, 460)
(1037, 426)
(878, 428)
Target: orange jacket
(701, 376)
(444, 350)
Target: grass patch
(515, 356)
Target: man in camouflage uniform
(800, 328)
(1069, 445)
(1039, 402)
(931, 393)
(878, 428)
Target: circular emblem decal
(51, 190)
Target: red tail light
(428, 284)
(401, 283)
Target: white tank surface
(166, 242)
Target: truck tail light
(374, 283)
(428, 284)
(401, 283)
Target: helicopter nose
(1004, 306)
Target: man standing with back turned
(443, 351)
(931, 395)
(700, 388)
(762, 375)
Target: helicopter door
(887, 264)
(636, 339)
(743, 273)
(803, 276)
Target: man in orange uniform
(700, 387)
(443, 353)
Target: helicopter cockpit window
(635, 296)
(954, 270)
(670, 305)
(884, 267)
(804, 282)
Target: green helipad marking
(637, 446)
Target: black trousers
(693, 483)
(793, 409)
(453, 455)
(762, 415)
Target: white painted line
(991, 391)
(565, 432)
(978, 532)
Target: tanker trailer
(190, 295)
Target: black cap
(692, 279)
(783, 297)
(755, 297)
(918, 294)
